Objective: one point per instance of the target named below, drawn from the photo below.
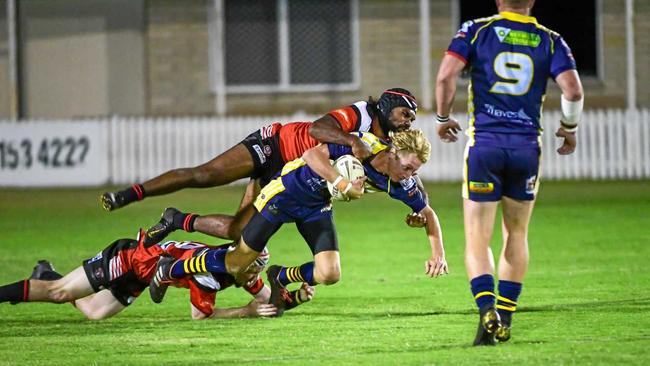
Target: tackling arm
(328, 129)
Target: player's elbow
(573, 94)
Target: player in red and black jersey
(109, 282)
(264, 152)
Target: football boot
(162, 228)
(161, 279)
(489, 322)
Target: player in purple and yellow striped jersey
(299, 194)
(510, 57)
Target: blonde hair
(412, 141)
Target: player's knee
(328, 276)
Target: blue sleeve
(336, 151)
(461, 46)
(409, 193)
(562, 59)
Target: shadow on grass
(633, 305)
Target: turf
(586, 299)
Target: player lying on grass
(109, 282)
(299, 194)
(264, 152)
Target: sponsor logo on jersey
(95, 258)
(407, 183)
(499, 113)
(327, 207)
(260, 154)
(481, 187)
(530, 184)
(267, 150)
(517, 38)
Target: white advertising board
(53, 153)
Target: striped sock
(507, 300)
(213, 261)
(483, 290)
(303, 273)
(133, 193)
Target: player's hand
(357, 188)
(256, 309)
(570, 142)
(414, 219)
(360, 149)
(448, 132)
(306, 292)
(436, 266)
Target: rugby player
(510, 57)
(109, 282)
(263, 153)
(299, 194)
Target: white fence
(612, 144)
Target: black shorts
(319, 234)
(264, 147)
(105, 271)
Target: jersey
(301, 194)
(511, 57)
(295, 138)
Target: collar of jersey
(518, 17)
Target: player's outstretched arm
(327, 129)
(437, 264)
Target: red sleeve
(347, 117)
(256, 287)
(202, 300)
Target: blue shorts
(282, 208)
(493, 172)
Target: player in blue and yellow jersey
(299, 194)
(510, 58)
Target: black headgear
(391, 98)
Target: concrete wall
(95, 57)
(80, 58)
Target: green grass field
(586, 299)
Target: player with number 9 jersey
(512, 57)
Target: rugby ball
(350, 168)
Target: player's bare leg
(479, 263)
(327, 267)
(217, 225)
(72, 286)
(513, 262)
(99, 306)
(235, 163)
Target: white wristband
(571, 112)
(337, 180)
(347, 188)
(441, 120)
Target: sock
(133, 193)
(211, 261)
(184, 221)
(303, 273)
(15, 292)
(507, 300)
(483, 290)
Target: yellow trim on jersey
(268, 192)
(470, 113)
(505, 299)
(483, 27)
(465, 188)
(376, 145)
(484, 293)
(292, 165)
(518, 17)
